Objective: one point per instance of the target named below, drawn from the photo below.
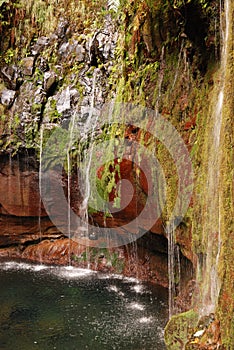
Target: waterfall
(84, 131)
(171, 270)
(174, 269)
(40, 184)
(69, 184)
(40, 180)
(212, 237)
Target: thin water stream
(44, 307)
(212, 224)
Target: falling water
(69, 184)
(178, 265)
(178, 65)
(211, 227)
(89, 125)
(171, 269)
(9, 179)
(40, 179)
(160, 78)
(86, 135)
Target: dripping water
(69, 184)
(40, 180)
(177, 256)
(170, 231)
(9, 179)
(160, 79)
(178, 65)
(212, 225)
(87, 136)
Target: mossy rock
(179, 329)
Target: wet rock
(7, 97)
(64, 49)
(42, 64)
(28, 106)
(19, 189)
(150, 267)
(80, 53)
(72, 47)
(11, 77)
(49, 80)
(62, 28)
(58, 252)
(15, 231)
(27, 65)
(41, 43)
(64, 100)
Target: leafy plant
(9, 56)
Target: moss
(179, 329)
(226, 269)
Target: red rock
(19, 190)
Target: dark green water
(61, 308)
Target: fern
(113, 5)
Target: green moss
(179, 329)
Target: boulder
(8, 97)
(27, 64)
(49, 80)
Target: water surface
(68, 308)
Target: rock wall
(63, 61)
(41, 89)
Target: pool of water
(63, 308)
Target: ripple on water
(72, 308)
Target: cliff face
(62, 61)
(53, 68)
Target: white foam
(13, 265)
(113, 288)
(136, 306)
(73, 272)
(64, 272)
(145, 319)
(138, 288)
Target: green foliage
(8, 56)
(95, 256)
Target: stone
(42, 64)
(80, 53)
(62, 28)
(49, 80)
(64, 49)
(27, 66)
(11, 77)
(64, 100)
(8, 97)
(39, 45)
(51, 252)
